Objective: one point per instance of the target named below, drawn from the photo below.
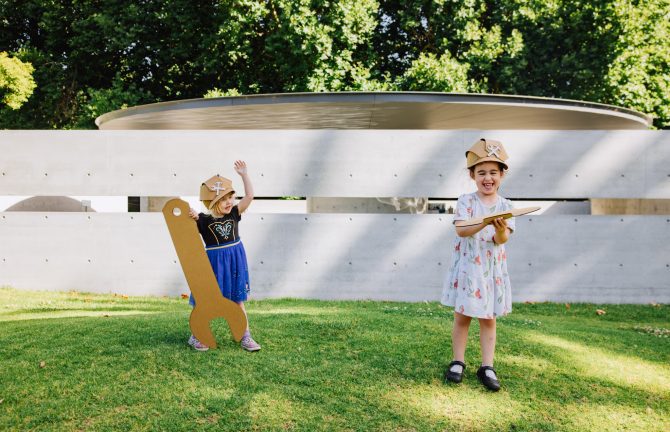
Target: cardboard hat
(213, 189)
(486, 150)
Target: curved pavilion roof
(375, 110)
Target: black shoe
(452, 376)
(490, 383)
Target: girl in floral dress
(477, 284)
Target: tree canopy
(93, 56)
(16, 81)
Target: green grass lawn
(73, 361)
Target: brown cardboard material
(215, 188)
(209, 303)
(506, 214)
(486, 150)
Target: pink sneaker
(248, 344)
(196, 344)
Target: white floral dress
(477, 283)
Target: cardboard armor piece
(505, 214)
(209, 303)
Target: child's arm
(500, 224)
(502, 231)
(241, 169)
(193, 214)
(469, 230)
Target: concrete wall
(607, 259)
(333, 163)
(333, 256)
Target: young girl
(477, 284)
(222, 242)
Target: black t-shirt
(218, 231)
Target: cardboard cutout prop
(506, 214)
(209, 303)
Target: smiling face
(224, 205)
(487, 176)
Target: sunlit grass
(613, 417)
(24, 305)
(624, 370)
(435, 403)
(73, 361)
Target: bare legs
(459, 336)
(487, 338)
(248, 343)
(245, 314)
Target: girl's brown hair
(502, 167)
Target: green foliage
(16, 81)
(96, 102)
(214, 93)
(89, 56)
(289, 46)
(443, 74)
(74, 361)
(639, 75)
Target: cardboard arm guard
(503, 214)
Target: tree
(608, 51)
(639, 75)
(291, 46)
(90, 56)
(443, 74)
(16, 81)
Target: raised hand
(240, 167)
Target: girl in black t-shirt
(225, 250)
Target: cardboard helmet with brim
(213, 189)
(486, 150)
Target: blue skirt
(229, 263)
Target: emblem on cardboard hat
(213, 189)
(486, 150)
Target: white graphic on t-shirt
(227, 229)
(224, 231)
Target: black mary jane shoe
(490, 383)
(452, 376)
